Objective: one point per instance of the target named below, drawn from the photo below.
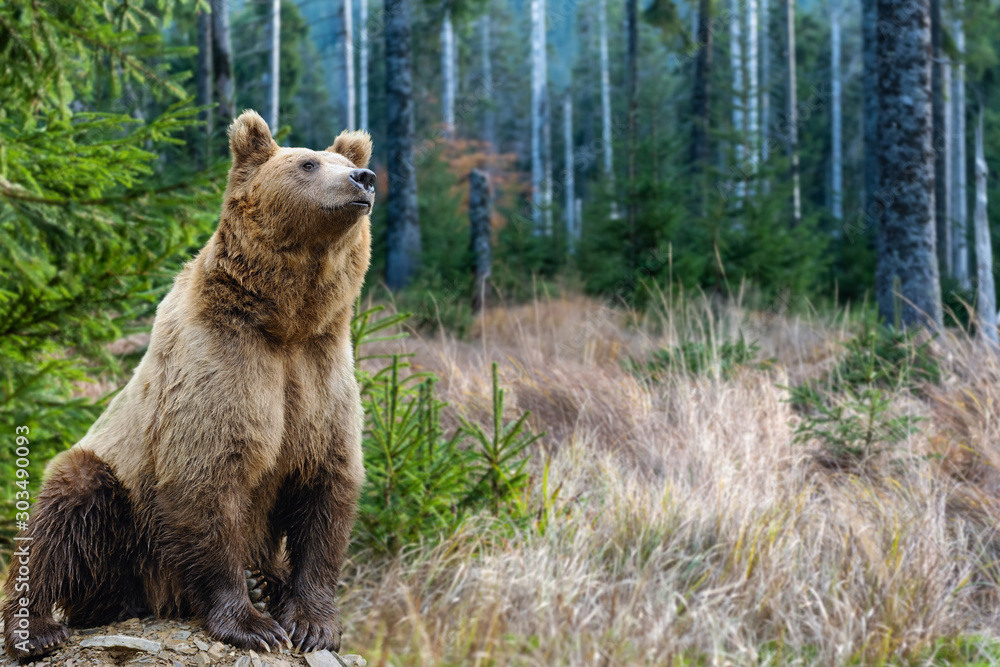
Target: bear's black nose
(364, 179)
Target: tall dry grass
(688, 528)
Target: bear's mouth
(357, 203)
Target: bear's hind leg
(75, 553)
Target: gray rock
(217, 651)
(181, 647)
(322, 659)
(121, 641)
(330, 659)
(243, 661)
(202, 646)
(203, 660)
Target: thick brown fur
(237, 442)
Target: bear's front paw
(246, 629)
(311, 629)
(40, 636)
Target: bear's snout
(364, 179)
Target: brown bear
(237, 442)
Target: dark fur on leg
(80, 557)
(209, 550)
(319, 517)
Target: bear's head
(284, 197)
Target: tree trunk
(489, 115)
(701, 98)
(986, 304)
(403, 220)
(606, 89)
(959, 193)
(942, 156)
(908, 262)
(752, 65)
(275, 63)
(869, 34)
(538, 113)
(480, 228)
(569, 184)
(836, 112)
(203, 78)
(547, 158)
(632, 60)
(448, 75)
(348, 18)
(765, 79)
(363, 65)
(736, 66)
(792, 115)
(222, 62)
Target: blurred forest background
(629, 148)
(664, 163)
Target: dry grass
(688, 528)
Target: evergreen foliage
(92, 222)
(422, 481)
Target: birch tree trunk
(222, 62)
(836, 112)
(569, 184)
(363, 65)
(448, 75)
(606, 90)
(348, 17)
(203, 79)
(911, 293)
(986, 304)
(403, 219)
(941, 137)
(275, 63)
(538, 113)
(792, 116)
(959, 190)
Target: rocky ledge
(152, 641)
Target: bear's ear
(355, 146)
(250, 140)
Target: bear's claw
(44, 635)
(311, 631)
(256, 583)
(247, 630)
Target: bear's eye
(309, 166)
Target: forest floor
(689, 527)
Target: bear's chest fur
(321, 420)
